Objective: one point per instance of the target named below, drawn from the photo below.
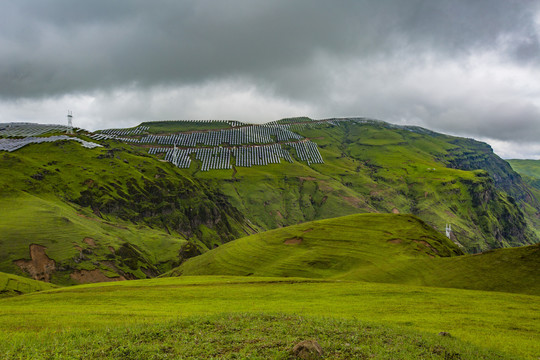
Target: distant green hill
(371, 247)
(15, 285)
(529, 169)
(117, 212)
(373, 166)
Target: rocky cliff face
(175, 204)
(474, 155)
(497, 215)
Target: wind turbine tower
(70, 122)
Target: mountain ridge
(111, 193)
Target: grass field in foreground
(247, 336)
(502, 322)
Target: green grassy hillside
(158, 318)
(165, 127)
(67, 244)
(16, 285)
(326, 248)
(529, 169)
(377, 167)
(142, 216)
(72, 215)
(371, 247)
(530, 172)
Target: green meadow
(350, 253)
(133, 316)
(385, 248)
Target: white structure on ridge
(448, 230)
(70, 122)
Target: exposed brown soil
(40, 267)
(150, 273)
(395, 211)
(92, 276)
(116, 225)
(293, 241)
(111, 249)
(426, 244)
(308, 350)
(278, 213)
(352, 200)
(86, 217)
(307, 178)
(89, 241)
(89, 183)
(395, 241)
(324, 186)
(308, 230)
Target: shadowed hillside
(72, 215)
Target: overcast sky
(463, 67)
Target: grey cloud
(419, 61)
(54, 47)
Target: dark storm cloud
(54, 47)
(385, 59)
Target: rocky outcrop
(475, 155)
(176, 204)
(40, 267)
(93, 276)
(498, 215)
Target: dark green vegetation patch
(16, 285)
(72, 215)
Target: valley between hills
(217, 239)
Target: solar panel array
(260, 155)
(126, 132)
(255, 134)
(307, 151)
(332, 122)
(15, 144)
(245, 156)
(232, 123)
(29, 129)
(211, 158)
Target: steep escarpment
(372, 166)
(498, 215)
(121, 182)
(143, 217)
(470, 154)
(173, 203)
